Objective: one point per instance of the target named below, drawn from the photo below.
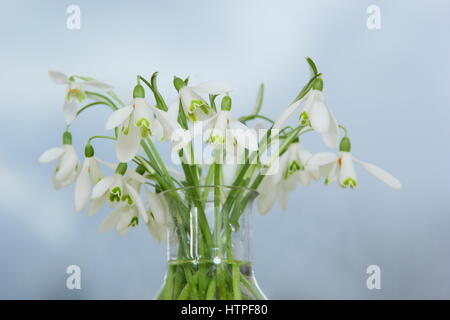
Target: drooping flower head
(134, 123)
(194, 106)
(89, 176)
(344, 169)
(75, 93)
(67, 165)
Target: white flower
(89, 176)
(134, 122)
(123, 218)
(343, 168)
(75, 92)
(193, 104)
(118, 191)
(316, 114)
(126, 214)
(223, 129)
(158, 219)
(170, 129)
(294, 166)
(67, 165)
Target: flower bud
(317, 84)
(138, 91)
(121, 168)
(140, 169)
(178, 83)
(226, 103)
(88, 151)
(345, 145)
(67, 137)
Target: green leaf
(312, 66)
(259, 99)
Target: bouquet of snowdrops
(211, 147)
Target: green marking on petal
(349, 182)
(192, 117)
(128, 199)
(143, 122)
(134, 222)
(304, 119)
(117, 191)
(204, 108)
(294, 167)
(81, 96)
(217, 139)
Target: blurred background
(389, 86)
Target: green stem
(111, 103)
(255, 116)
(100, 137)
(210, 293)
(93, 104)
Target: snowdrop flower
(223, 129)
(126, 214)
(75, 91)
(118, 190)
(158, 218)
(90, 175)
(344, 170)
(315, 113)
(193, 104)
(294, 166)
(170, 129)
(67, 165)
(134, 124)
(123, 218)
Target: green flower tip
(318, 84)
(88, 151)
(226, 103)
(67, 137)
(140, 169)
(178, 83)
(138, 91)
(121, 168)
(345, 145)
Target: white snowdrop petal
(286, 114)
(322, 158)
(331, 136)
(118, 117)
(102, 187)
(157, 206)
(138, 201)
(213, 87)
(70, 110)
(347, 170)
(68, 164)
(111, 220)
(380, 174)
(128, 144)
(82, 187)
(97, 85)
(267, 196)
(51, 155)
(319, 116)
(58, 77)
(96, 204)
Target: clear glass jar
(208, 243)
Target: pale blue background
(390, 87)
